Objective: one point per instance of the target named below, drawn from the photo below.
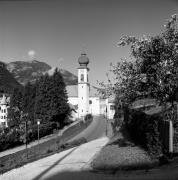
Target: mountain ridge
(7, 81)
(30, 71)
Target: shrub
(117, 121)
(9, 139)
(144, 130)
(88, 116)
(44, 130)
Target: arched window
(82, 77)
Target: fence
(166, 135)
(169, 129)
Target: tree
(51, 99)
(59, 107)
(42, 102)
(28, 103)
(14, 111)
(153, 70)
(156, 59)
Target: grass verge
(121, 154)
(44, 149)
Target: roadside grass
(44, 149)
(122, 154)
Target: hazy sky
(58, 30)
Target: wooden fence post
(170, 137)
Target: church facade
(84, 97)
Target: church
(84, 97)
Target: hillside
(7, 81)
(30, 71)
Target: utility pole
(106, 122)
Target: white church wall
(83, 91)
(94, 105)
(74, 102)
(83, 99)
(103, 106)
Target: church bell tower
(83, 85)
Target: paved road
(95, 130)
(73, 160)
(74, 164)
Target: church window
(82, 77)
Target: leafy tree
(152, 72)
(156, 60)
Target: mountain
(30, 71)
(7, 81)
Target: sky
(57, 31)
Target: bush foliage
(144, 130)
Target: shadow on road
(87, 175)
(51, 167)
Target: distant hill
(30, 71)
(7, 81)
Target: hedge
(13, 137)
(144, 130)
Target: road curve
(95, 130)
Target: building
(85, 98)
(4, 105)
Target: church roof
(72, 91)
